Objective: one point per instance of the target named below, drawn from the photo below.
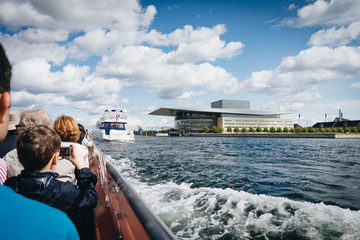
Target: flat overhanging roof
(171, 112)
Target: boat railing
(131, 215)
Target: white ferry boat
(112, 126)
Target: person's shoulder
(17, 210)
(11, 181)
(82, 148)
(11, 155)
(80, 145)
(66, 188)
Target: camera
(66, 151)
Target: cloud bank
(333, 55)
(83, 53)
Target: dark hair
(36, 146)
(5, 71)
(82, 133)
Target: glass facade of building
(195, 121)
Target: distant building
(336, 124)
(224, 113)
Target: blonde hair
(67, 129)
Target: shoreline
(277, 135)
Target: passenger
(84, 137)
(38, 149)
(65, 169)
(23, 218)
(69, 133)
(10, 141)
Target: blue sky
(78, 58)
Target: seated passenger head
(82, 133)
(67, 129)
(34, 116)
(5, 77)
(36, 146)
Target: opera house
(224, 113)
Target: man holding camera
(38, 149)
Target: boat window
(119, 126)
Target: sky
(77, 58)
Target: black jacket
(74, 200)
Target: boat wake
(213, 213)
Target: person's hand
(87, 133)
(77, 158)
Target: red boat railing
(121, 213)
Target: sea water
(246, 188)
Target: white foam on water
(193, 213)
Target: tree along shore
(278, 135)
(298, 132)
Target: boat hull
(121, 213)
(113, 126)
(115, 135)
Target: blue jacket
(24, 218)
(75, 200)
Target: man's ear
(4, 105)
(54, 158)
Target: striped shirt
(3, 171)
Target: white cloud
(355, 85)
(336, 36)
(63, 32)
(284, 107)
(35, 83)
(304, 96)
(155, 125)
(32, 35)
(149, 68)
(191, 94)
(174, 6)
(134, 122)
(194, 45)
(349, 108)
(209, 50)
(148, 110)
(53, 59)
(190, 103)
(292, 6)
(305, 71)
(17, 49)
(81, 15)
(333, 12)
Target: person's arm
(3, 171)
(86, 182)
(86, 194)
